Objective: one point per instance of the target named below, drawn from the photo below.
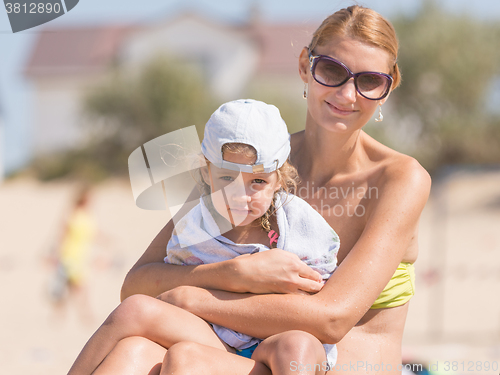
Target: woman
(371, 195)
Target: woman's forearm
(262, 315)
(157, 277)
(274, 271)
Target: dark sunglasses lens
(330, 73)
(372, 85)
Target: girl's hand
(275, 271)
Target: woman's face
(343, 109)
(241, 197)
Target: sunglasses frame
(313, 62)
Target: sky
(15, 92)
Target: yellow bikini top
(400, 288)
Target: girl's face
(343, 109)
(240, 197)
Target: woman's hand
(275, 271)
(182, 295)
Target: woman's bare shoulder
(396, 168)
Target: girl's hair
(287, 178)
(365, 25)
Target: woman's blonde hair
(287, 178)
(365, 25)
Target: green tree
(128, 111)
(439, 114)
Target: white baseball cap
(251, 122)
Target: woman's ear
(304, 65)
(384, 100)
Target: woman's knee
(134, 309)
(184, 358)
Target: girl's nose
(237, 192)
(241, 198)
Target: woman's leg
(133, 356)
(189, 358)
(292, 352)
(147, 317)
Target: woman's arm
(352, 288)
(273, 271)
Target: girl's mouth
(239, 211)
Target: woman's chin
(335, 126)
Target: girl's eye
(259, 181)
(226, 178)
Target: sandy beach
(455, 314)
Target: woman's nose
(348, 91)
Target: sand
(454, 316)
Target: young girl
(246, 208)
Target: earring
(304, 95)
(380, 116)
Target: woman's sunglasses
(332, 73)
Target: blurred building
(234, 58)
(62, 65)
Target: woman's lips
(339, 110)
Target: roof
(73, 50)
(281, 45)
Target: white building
(62, 65)
(228, 55)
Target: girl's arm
(353, 287)
(273, 271)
